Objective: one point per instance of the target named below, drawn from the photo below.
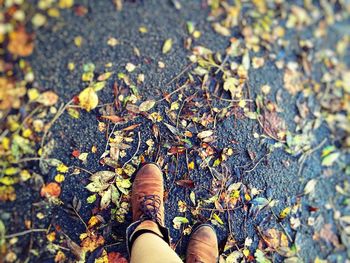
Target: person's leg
(147, 237)
(151, 248)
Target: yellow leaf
(6, 143)
(167, 45)
(11, 171)
(94, 220)
(74, 113)
(51, 236)
(59, 178)
(33, 94)
(246, 252)
(284, 212)
(143, 29)
(25, 175)
(191, 165)
(62, 168)
(8, 180)
(147, 105)
(26, 133)
(78, 41)
(88, 99)
(218, 219)
(53, 12)
(65, 3)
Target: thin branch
(26, 232)
(58, 114)
(137, 150)
(180, 74)
(256, 164)
(173, 92)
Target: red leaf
(113, 118)
(177, 149)
(76, 153)
(115, 257)
(132, 127)
(185, 183)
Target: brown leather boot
(147, 194)
(203, 246)
(147, 204)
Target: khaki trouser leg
(151, 248)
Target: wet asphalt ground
(54, 49)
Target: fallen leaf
(310, 186)
(65, 3)
(113, 118)
(147, 105)
(185, 183)
(112, 42)
(88, 99)
(328, 235)
(20, 43)
(91, 242)
(167, 45)
(115, 257)
(51, 190)
(130, 67)
(48, 98)
(275, 238)
(330, 159)
(178, 221)
(205, 134)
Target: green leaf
(106, 198)
(99, 85)
(327, 150)
(260, 257)
(330, 159)
(96, 187)
(91, 199)
(180, 219)
(115, 195)
(103, 176)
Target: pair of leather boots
(148, 217)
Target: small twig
(268, 133)
(285, 231)
(82, 169)
(180, 74)
(55, 118)
(137, 150)
(222, 64)
(109, 136)
(231, 100)
(25, 232)
(307, 154)
(113, 244)
(173, 92)
(217, 210)
(256, 164)
(178, 114)
(78, 215)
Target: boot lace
(149, 206)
